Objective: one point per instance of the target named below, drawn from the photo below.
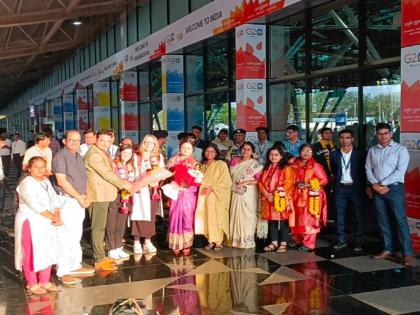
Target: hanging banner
(101, 105)
(251, 104)
(250, 43)
(129, 86)
(214, 18)
(410, 89)
(58, 114)
(102, 117)
(68, 112)
(82, 120)
(101, 94)
(173, 99)
(172, 74)
(410, 26)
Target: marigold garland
(125, 197)
(280, 199)
(314, 208)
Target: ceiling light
(77, 22)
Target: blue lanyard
(346, 165)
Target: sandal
(186, 251)
(270, 248)
(210, 246)
(36, 290)
(282, 248)
(218, 247)
(51, 287)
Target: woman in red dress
(309, 198)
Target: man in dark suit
(348, 167)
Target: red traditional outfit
(306, 225)
(271, 179)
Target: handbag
(237, 189)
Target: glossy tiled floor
(230, 281)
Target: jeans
(342, 198)
(391, 206)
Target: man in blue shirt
(293, 142)
(386, 164)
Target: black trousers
(17, 161)
(5, 159)
(279, 230)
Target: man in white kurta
(71, 185)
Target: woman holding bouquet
(245, 171)
(119, 209)
(309, 198)
(181, 214)
(146, 202)
(212, 213)
(276, 205)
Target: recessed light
(77, 22)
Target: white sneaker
(122, 253)
(148, 247)
(138, 249)
(113, 254)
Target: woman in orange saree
(276, 188)
(309, 199)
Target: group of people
(231, 192)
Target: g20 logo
(254, 31)
(254, 86)
(412, 58)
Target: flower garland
(280, 199)
(314, 208)
(125, 197)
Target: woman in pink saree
(182, 211)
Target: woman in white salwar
(36, 223)
(245, 171)
(147, 202)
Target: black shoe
(303, 248)
(340, 245)
(357, 248)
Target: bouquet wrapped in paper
(154, 176)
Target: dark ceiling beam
(24, 52)
(51, 15)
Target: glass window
(98, 49)
(217, 113)
(383, 29)
(334, 104)
(143, 25)
(196, 4)
(132, 27)
(287, 106)
(110, 35)
(92, 54)
(177, 9)
(195, 111)
(159, 14)
(120, 36)
(287, 47)
(156, 111)
(381, 101)
(194, 73)
(143, 75)
(87, 59)
(217, 65)
(144, 120)
(156, 79)
(335, 35)
(104, 46)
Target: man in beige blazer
(103, 185)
